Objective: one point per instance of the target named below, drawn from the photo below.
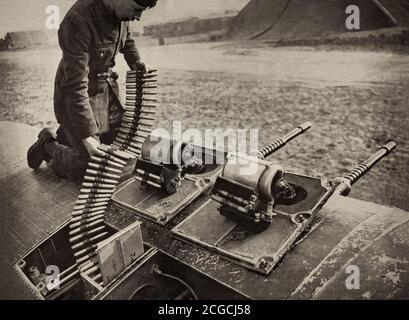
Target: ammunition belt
(87, 227)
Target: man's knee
(68, 162)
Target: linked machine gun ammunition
(87, 226)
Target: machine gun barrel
(357, 173)
(282, 141)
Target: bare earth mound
(278, 19)
(257, 17)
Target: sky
(17, 15)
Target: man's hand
(142, 66)
(92, 144)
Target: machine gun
(252, 197)
(170, 174)
(263, 214)
(344, 184)
(166, 169)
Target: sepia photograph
(224, 150)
